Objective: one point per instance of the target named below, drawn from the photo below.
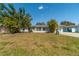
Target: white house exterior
(25, 30)
(73, 28)
(40, 28)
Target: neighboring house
(72, 28)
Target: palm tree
(25, 19)
(52, 24)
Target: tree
(67, 23)
(25, 19)
(11, 25)
(9, 14)
(52, 24)
(26, 22)
(1, 20)
(14, 20)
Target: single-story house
(40, 28)
(72, 28)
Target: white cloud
(40, 7)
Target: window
(44, 29)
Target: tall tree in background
(67, 23)
(12, 19)
(52, 24)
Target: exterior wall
(39, 31)
(69, 29)
(35, 30)
(61, 30)
(77, 29)
(73, 29)
(26, 30)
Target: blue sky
(43, 12)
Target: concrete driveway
(70, 34)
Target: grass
(38, 44)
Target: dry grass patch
(38, 44)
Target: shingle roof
(40, 26)
(69, 26)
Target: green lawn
(38, 44)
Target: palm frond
(12, 7)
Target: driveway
(70, 34)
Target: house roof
(71, 26)
(40, 26)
